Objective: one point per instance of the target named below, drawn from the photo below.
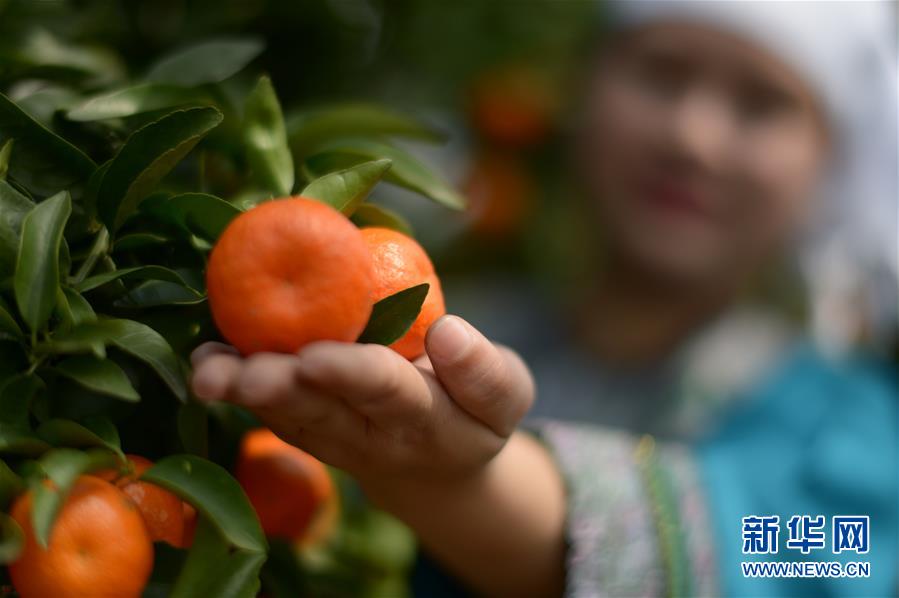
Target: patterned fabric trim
(615, 547)
(681, 472)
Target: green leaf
(132, 337)
(310, 128)
(65, 260)
(98, 252)
(200, 244)
(12, 539)
(346, 189)
(249, 199)
(13, 208)
(215, 494)
(62, 466)
(139, 241)
(105, 430)
(136, 99)
(16, 394)
(10, 485)
(135, 273)
(80, 310)
(406, 171)
(44, 54)
(16, 441)
(392, 316)
(197, 213)
(5, 153)
(265, 139)
(8, 324)
(155, 293)
(148, 155)
(149, 346)
(99, 375)
(37, 267)
(72, 309)
(92, 189)
(206, 62)
(43, 161)
(90, 337)
(214, 569)
(44, 102)
(62, 311)
(369, 214)
(94, 432)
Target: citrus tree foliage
(114, 186)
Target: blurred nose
(700, 130)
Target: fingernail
(449, 339)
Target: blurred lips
(674, 196)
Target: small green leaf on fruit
(392, 316)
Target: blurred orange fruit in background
(501, 194)
(513, 106)
(291, 491)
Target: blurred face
(699, 150)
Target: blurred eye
(760, 102)
(663, 76)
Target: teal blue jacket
(817, 438)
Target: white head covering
(847, 51)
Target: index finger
(373, 380)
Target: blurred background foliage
(497, 78)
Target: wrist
(398, 494)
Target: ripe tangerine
(289, 488)
(99, 545)
(400, 262)
(288, 272)
(161, 510)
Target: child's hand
(370, 412)
(426, 440)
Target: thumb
(489, 382)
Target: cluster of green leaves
(110, 200)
